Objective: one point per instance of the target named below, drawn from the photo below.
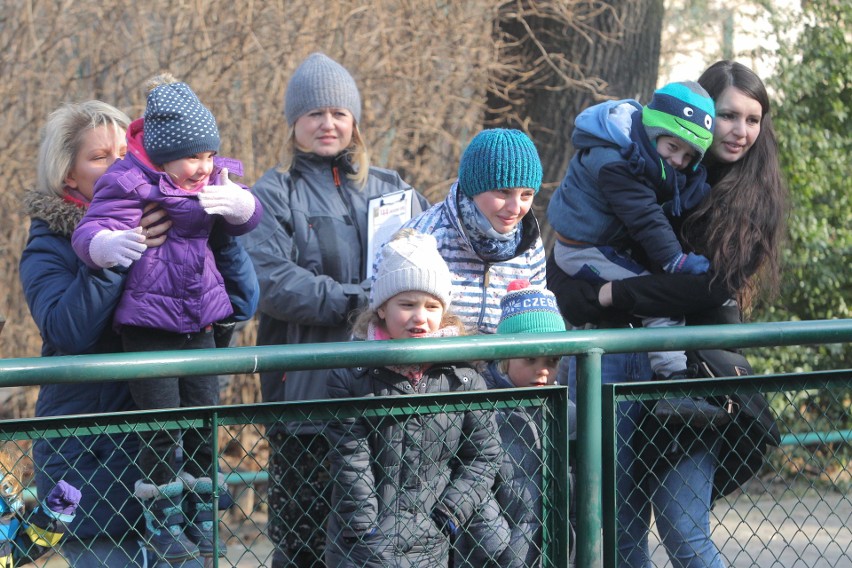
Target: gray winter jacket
(506, 531)
(308, 252)
(391, 475)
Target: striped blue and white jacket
(478, 285)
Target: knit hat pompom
(176, 124)
(499, 158)
(527, 309)
(410, 261)
(683, 110)
(518, 285)
(320, 82)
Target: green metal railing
(589, 346)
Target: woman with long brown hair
(739, 227)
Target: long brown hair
(741, 226)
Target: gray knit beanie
(177, 125)
(321, 82)
(410, 261)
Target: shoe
(198, 510)
(164, 521)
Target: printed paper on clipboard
(385, 216)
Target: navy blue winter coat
(73, 306)
(617, 190)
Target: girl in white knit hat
(417, 479)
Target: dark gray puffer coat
(391, 474)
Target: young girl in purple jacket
(174, 293)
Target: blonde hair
(63, 135)
(368, 317)
(359, 157)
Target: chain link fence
(792, 512)
(307, 481)
(780, 498)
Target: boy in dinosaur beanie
(635, 169)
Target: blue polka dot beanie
(683, 110)
(321, 82)
(499, 158)
(177, 125)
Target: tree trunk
(561, 57)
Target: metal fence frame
(589, 346)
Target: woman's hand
(155, 224)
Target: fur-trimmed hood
(60, 215)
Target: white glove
(109, 248)
(229, 200)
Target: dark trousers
(157, 448)
(299, 494)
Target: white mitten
(109, 248)
(228, 199)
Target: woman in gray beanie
(310, 253)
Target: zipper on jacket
(486, 280)
(335, 174)
(349, 219)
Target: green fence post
(589, 459)
(214, 475)
(609, 455)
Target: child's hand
(227, 199)
(687, 264)
(445, 521)
(109, 248)
(63, 499)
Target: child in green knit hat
(507, 529)
(635, 174)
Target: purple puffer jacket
(175, 286)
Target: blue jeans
(679, 493)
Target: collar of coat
(60, 215)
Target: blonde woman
(309, 254)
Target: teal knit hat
(529, 310)
(683, 110)
(499, 158)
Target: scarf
(414, 372)
(74, 197)
(490, 245)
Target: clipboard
(386, 215)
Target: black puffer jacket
(391, 474)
